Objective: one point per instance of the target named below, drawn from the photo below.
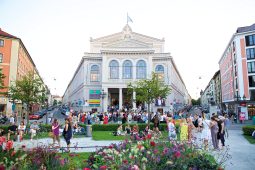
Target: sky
(56, 33)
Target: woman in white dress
(206, 133)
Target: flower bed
(150, 153)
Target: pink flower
(62, 162)
(86, 169)
(155, 151)
(135, 167)
(153, 143)
(104, 167)
(71, 155)
(2, 167)
(177, 154)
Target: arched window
(141, 70)
(94, 73)
(114, 69)
(127, 69)
(160, 72)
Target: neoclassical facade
(115, 60)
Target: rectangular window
(252, 95)
(251, 81)
(251, 67)
(1, 57)
(250, 53)
(250, 40)
(1, 43)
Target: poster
(94, 98)
(243, 114)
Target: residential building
(100, 81)
(237, 68)
(15, 62)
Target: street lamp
(103, 94)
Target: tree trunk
(149, 115)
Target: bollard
(89, 130)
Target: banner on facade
(94, 98)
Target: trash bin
(253, 120)
(89, 130)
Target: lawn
(250, 139)
(106, 135)
(79, 160)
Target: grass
(105, 135)
(79, 160)
(250, 139)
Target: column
(120, 98)
(105, 102)
(134, 102)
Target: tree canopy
(147, 90)
(29, 89)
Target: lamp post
(102, 96)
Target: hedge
(247, 130)
(43, 128)
(113, 127)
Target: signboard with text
(94, 98)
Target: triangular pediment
(127, 43)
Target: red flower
(139, 146)
(13, 153)
(153, 143)
(149, 136)
(86, 169)
(177, 154)
(2, 140)
(9, 145)
(104, 167)
(110, 147)
(125, 161)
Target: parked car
(35, 116)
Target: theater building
(101, 79)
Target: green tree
(148, 90)
(29, 89)
(55, 102)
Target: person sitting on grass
(12, 130)
(128, 129)
(135, 130)
(120, 130)
(33, 129)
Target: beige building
(101, 78)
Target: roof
(5, 34)
(246, 29)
